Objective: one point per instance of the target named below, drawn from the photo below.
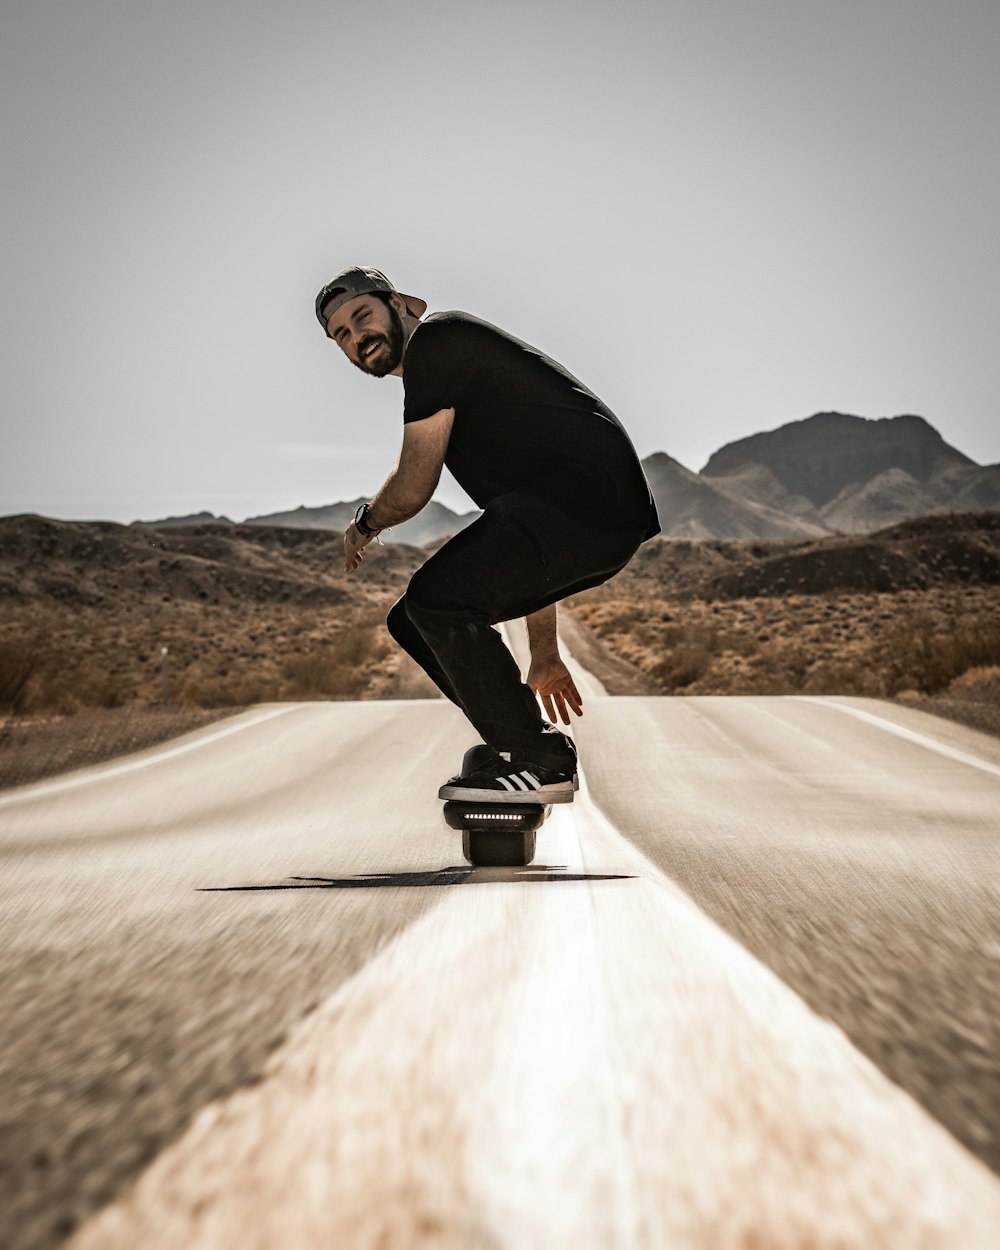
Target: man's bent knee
(398, 622)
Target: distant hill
(959, 550)
(434, 522)
(83, 565)
(192, 518)
(92, 563)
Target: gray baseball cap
(357, 281)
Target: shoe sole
(454, 781)
(562, 793)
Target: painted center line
(594, 1067)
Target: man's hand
(549, 678)
(354, 544)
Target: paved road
(374, 1050)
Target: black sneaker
(549, 728)
(505, 781)
(481, 755)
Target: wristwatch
(361, 521)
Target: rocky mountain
(839, 473)
(693, 506)
(823, 455)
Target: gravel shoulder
(34, 748)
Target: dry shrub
(687, 656)
(89, 684)
(238, 690)
(68, 661)
(785, 662)
(19, 659)
(978, 685)
(843, 676)
(606, 619)
(858, 644)
(338, 669)
(927, 653)
(34, 681)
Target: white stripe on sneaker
(517, 781)
(532, 780)
(505, 783)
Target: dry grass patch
(878, 645)
(972, 699)
(61, 662)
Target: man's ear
(396, 300)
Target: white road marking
(545, 1066)
(908, 735)
(100, 773)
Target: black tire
(498, 848)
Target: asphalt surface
(863, 868)
(529, 1039)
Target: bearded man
(565, 506)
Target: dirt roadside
(33, 748)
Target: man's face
(370, 334)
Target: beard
(389, 354)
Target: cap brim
(416, 307)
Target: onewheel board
(496, 835)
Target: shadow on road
(463, 874)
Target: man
(565, 506)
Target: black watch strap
(361, 521)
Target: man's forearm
(542, 637)
(410, 485)
(394, 502)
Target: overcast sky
(721, 216)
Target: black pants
(521, 555)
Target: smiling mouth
(372, 349)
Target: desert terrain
(909, 612)
(246, 616)
(252, 614)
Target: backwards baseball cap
(357, 281)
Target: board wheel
(498, 848)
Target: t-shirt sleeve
(433, 372)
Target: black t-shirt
(523, 423)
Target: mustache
(368, 340)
